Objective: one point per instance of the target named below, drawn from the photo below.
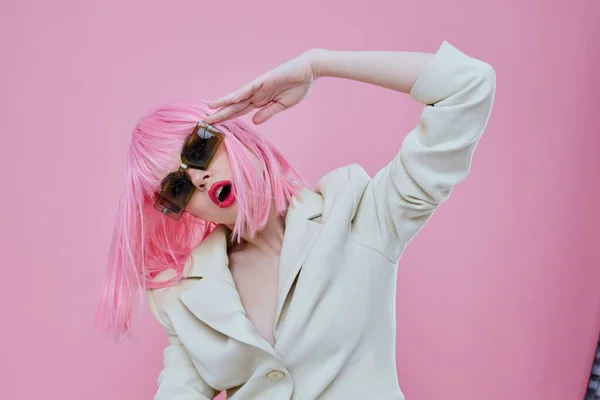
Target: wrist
(318, 62)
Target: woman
(269, 290)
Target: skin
(255, 263)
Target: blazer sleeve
(457, 92)
(179, 379)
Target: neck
(268, 240)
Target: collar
(212, 251)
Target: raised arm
(396, 70)
(458, 92)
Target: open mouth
(221, 194)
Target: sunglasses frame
(180, 173)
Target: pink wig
(144, 241)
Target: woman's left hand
(277, 90)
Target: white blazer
(335, 317)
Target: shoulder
(352, 175)
(348, 182)
(161, 299)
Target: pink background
(498, 297)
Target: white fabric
(335, 321)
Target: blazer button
(275, 375)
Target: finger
(237, 95)
(248, 90)
(245, 111)
(267, 112)
(225, 112)
(222, 101)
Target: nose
(198, 177)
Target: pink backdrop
(498, 297)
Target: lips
(221, 193)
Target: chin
(223, 216)
(231, 217)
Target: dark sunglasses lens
(200, 148)
(176, 192)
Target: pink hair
(145, 242)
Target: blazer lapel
(300, 234)
(214, 299)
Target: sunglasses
(198, 151)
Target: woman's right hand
(277, 90)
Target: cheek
(199, 206)
(220, 164)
